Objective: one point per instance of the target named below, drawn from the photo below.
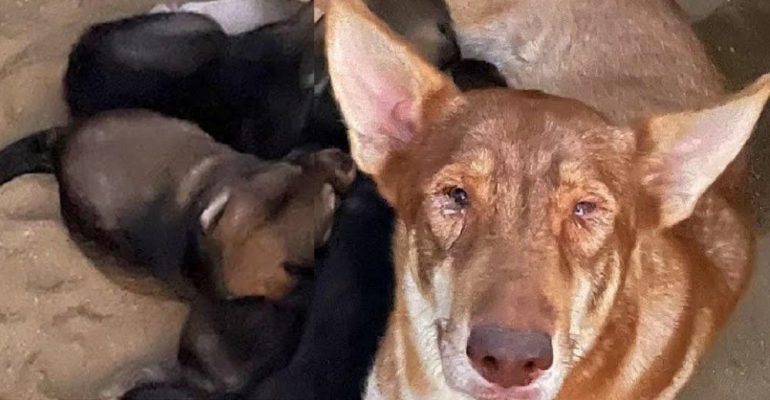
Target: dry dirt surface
(67, 330)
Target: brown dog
(543, 251)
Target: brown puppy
(161, 193)
(542, 250)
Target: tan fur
(632, 292)
(279, 220)
(626, 58)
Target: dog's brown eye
(459, 196)
(584, 208)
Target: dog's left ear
(213, 212)
(382, 85)
(683, 154)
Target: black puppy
(163, 62)
(253, 91)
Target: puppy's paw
(338, 167)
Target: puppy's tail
(29, 155)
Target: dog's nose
(509, 357)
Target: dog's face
(518, 212)
(275, 220)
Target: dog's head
(517, 211)
(275, 220)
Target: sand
(70, 330)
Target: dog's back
(626, 58)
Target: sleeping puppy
(160, 192)
(164, 62)
(347, 315)
(421, 22)
(253, 91)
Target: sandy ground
(69, 330)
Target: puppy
(164, 62)
(347, 315)
(253, 91)
(422, 23)
(160, 192)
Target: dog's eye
(583, 208)
(459, 196)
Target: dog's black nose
(509, 357)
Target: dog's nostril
(530, 365)
(489, 362)
(507, 357)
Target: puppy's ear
(683, 154)
(383, 87)
(213, 212)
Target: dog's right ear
(382, 85)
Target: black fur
(226, 344)
(28, 155)
(470, 74)
(163, 62)
(253, 91)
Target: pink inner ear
(706, 147)
(386, 104)
(404, 121)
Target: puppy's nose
(508, 357)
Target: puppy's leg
(335, 171)
(334, 165)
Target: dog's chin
(462, 377)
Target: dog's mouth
(460, 375)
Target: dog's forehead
(526, 131)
